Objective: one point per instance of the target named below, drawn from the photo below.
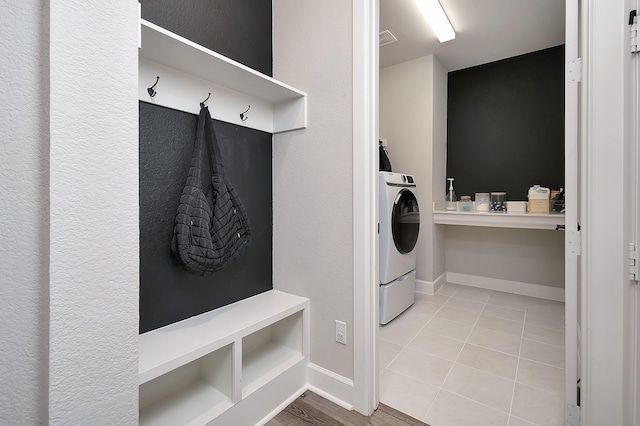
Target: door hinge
(633, 22)
(574, 242)
(634, 271)
(574, 70)
(573, 415)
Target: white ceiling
(486, 30)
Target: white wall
(413, 106)
(93, 212)
(24, 213)
(69, 213)
(527, 256)
(312, 172)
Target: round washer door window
(405, 221)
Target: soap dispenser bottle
(452, 204)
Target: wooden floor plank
(405, 418)
(310, 409)
(343, 416)
(309, 414)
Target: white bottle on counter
(452, 204)
(538, 200)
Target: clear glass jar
(499, 202)
(466, 205)
(482, 201)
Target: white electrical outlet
(341, 332)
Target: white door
(572, 188)
(634, 316)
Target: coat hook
(203, 102)
(243, 115)
(150, 90)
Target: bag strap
(211, 141)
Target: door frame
(572, 216)
(365, 205)
(365, 199)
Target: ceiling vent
(387, 38)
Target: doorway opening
(486, 310)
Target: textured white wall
(24, 213)
(93, 212)
(312, 172)
(413, 120)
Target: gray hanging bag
(211, 228)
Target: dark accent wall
(241, 30)
(238, 29)
(506, 125)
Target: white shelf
(192, 371)
(188, 72)
(196, 403)
(169, 347)
(264, 364)
(499, 220)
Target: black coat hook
(150, 90)
(243, 115)
(203, 102)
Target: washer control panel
(397, 179)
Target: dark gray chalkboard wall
(238, 29)
(506, 125)
(241, 30)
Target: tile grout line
(456, 360)
(424, 419)
(427, 323)
(414, 337)
(440, 389)
(515, 378)
(407, 344)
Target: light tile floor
(470, 356)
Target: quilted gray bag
(211, 228)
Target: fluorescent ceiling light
(437, 19)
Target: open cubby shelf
(192, 371)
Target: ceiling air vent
(387, 38)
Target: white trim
(431, 287)
(364, 391)
(579, 345)
(282, 406)
(605, 230)
(331, 386)
(571, 96)
(632, 388)
(584, 36)
(515, 287)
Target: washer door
(405, 221)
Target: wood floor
(311, 409)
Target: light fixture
(437, 19)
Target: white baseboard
(330, 386)
(516, 287)
(431, 287)
(281, 407)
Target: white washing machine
(399, 227)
